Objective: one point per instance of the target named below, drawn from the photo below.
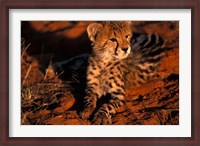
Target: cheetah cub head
(110, 40)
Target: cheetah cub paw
(101, 119)
(85, 114)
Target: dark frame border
(99, 4)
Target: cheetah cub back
(111, 45)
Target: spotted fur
(112, 60)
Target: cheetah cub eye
(113, 39)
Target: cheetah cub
(111, 60)
(111, 44)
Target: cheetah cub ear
(92, 30)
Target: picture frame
(89, 4)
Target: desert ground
(55, 97)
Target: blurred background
(64, 39)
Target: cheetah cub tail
(146, 54)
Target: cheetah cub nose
(125, 49)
